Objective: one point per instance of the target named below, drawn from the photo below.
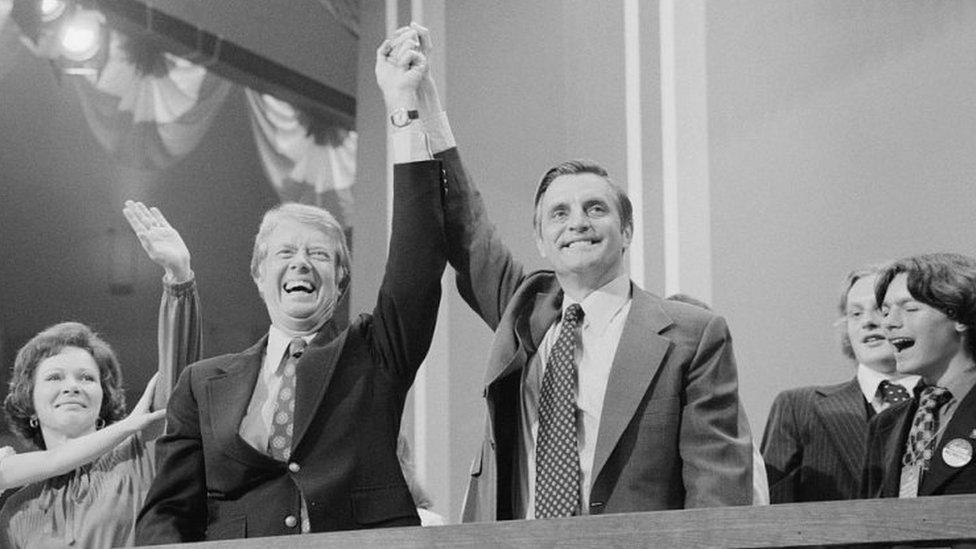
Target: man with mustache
(815, 437)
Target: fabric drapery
(149, 108)
(149, 120)
(306, 160)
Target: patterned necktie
(279, 443)
(925, 425)
(892, 393)
(557, 481)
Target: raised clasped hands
(163, 244)
(401, 66)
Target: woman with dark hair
(94, 464)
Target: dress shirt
(256, 426)
(604, 313)
(869, 380)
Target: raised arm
(27, 467)
(180, 328)
(406, 309)
(487, 273)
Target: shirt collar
(960, 385)
(278, 342)
(603, 304)
(869, 380)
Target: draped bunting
(146, 117)
(307, 160)
(149, 108)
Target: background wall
(841, 133)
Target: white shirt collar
(603, 304)
(869, 380)
(278, 342)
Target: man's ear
(628, 234)
(257, 280)
(539, 245)
(961, 328)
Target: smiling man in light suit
(602, 398)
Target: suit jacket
(669, 434)
(887, 436)
(350, 391)
(814, 443)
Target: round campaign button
(957, 452)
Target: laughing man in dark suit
(299, 433)
(925, 446)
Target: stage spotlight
(82, 36)
(50, 10)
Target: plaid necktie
(892, 393)
(279, 443)
(918, 450)
(557, 483)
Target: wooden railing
(932, 521)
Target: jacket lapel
(843, 414)
(313, 374)
(961, 426)
(639, 356)
(529, 330)
(228, 396)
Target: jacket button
(294, 467)
(291, 521)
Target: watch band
(402, 117)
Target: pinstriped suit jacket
(814, 443)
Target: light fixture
(51, 10)
(81, 36)
(74, 37)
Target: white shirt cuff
(410, 144)
(439, 134)
(422, 139)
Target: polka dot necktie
(282, 425)
(925, 425)
(557, 481)
(892, 393)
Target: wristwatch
(402, 117)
